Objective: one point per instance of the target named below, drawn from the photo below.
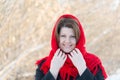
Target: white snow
(114, 77)
(115, 5)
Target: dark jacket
(87, 75)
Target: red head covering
(68, 68)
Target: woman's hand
(78, 60)
(57, 62)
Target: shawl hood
(81, 41)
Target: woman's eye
(62, 36)
(72, 36)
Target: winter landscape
(25, 31)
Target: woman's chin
(67, 52)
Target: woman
(68, 59)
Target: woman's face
(67, 40)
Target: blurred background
(26, 26)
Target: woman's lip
(67, 45)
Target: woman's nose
(67, 40)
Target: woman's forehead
(66, 30)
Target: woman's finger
(60, 54)
(72, 54)
(69, 55)
(57, 52)
(77, 50)
(65, 57)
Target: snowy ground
(115, 76)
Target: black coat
(87, 75)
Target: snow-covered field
(23, 33)
(114, 77)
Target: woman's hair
(69, 23)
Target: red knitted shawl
(93, 62)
